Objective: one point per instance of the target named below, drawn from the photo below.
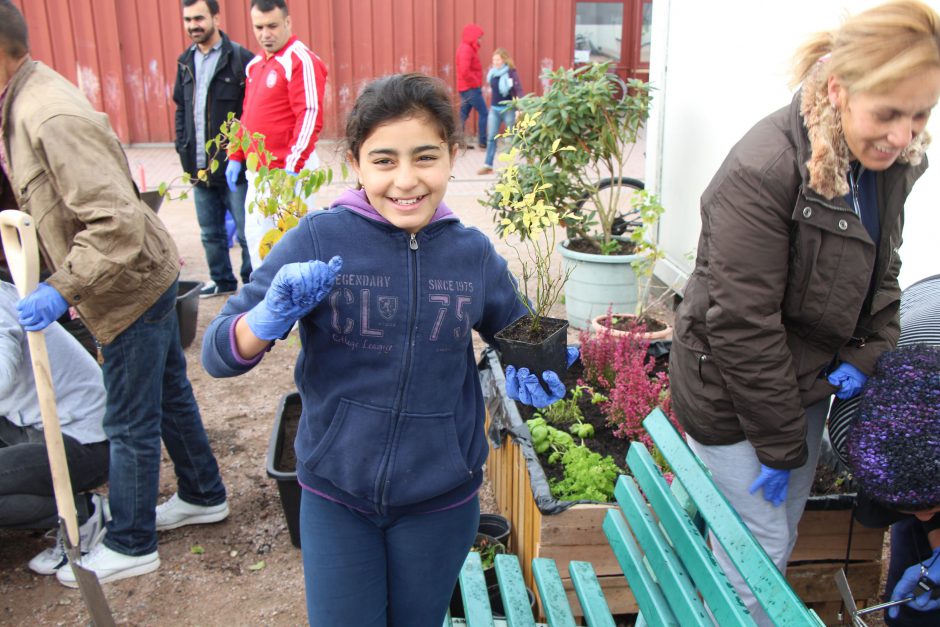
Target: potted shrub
(599, 116)
(530, 227)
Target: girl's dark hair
(400, 96)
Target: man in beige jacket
(113, 260)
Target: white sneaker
(111, 566)
(90, 534)
(176, 512)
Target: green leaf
(251, 162)
(196, 549)
(162, 189)
(257, 566)
(214, 165)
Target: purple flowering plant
(894, 443)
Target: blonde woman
(504, 86)
(794, 295)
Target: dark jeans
(473, 99)
(211, 204)
(149, 396)
(378, 571)
(26, 496)
(909, 546)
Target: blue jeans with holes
(149, 396)
(497, 117)
(211, 204)
(473, 99)
(378, 571)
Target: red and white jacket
(284, 102)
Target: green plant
(279, 194)
(598, 116)
(488, 548)
(564, 411)
(588, 475)
(644, 240)
(545, 437)
(533, 220)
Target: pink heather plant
(621, 367)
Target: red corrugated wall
(122, 53)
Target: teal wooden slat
(590, 596)
(513, 593)
(476, 602)
(668, 569)
(699, 561)
(647, 592)
(552, 592)
(770, 587)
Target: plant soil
(287, 461)
(523, 332)
(627, 323)
(829, 480)
(582, 245)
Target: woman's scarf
(505, 81)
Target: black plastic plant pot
(187, 310)
(496, 526)
(152, 200)
(282, 464)
(496, 601)
(547, 352)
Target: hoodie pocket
(350, 453)
(426, 460)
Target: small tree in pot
(599, 116)
(535, 341)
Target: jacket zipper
(396, 409)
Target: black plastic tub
(279, 466)
(152, 199)
(550, 354)
(187, 310)
(495, 526)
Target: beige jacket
(110, 255)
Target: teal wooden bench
(659, 538)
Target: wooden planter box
(576, 533)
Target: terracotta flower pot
(598, 324)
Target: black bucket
(550, 354)
(495, 526)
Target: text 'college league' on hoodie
(392, 406)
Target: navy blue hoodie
(392, 407)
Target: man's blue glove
(848, 379)
(775, 483)
(296, 289)
(232, 170)
(908, 585)
(524, 386)
(41, 308)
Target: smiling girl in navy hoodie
(387, 286)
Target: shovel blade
(89, 586)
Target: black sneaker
(212, 289)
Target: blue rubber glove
(296, 289)
(524, 386)
(232, 170)
(848, 379)
(41, 308)
(907, 585)
(775, 483)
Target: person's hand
(524, 386)
(907, 585)
(41, 308)
(848, 379)
(296, 289)
(775, 483)
(232, 170)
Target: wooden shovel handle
(18, 232)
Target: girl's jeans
(497, 116)
(379, 571)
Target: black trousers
(26, 496)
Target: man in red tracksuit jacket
(470, 80)
(283, 102)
